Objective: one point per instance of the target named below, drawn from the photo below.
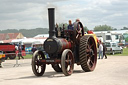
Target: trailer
(110, 37)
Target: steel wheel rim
(90, 53)
(69, 63)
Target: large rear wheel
(67, 62)
(88, 53)
(38, 67)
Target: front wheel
(38, 67)
(67, 62)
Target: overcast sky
(30, 14)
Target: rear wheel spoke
(92, 45)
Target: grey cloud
(114, 14)
(33, 13)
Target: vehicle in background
(10, 51)
(113, 47)
(111, 37)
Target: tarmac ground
(111, 71)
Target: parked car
(113, 47)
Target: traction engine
(64, 51)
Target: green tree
(125, 28)
(125, 36)
(61, 25)
(103, 28)
(85, 29)
(27, 32)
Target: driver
(80, 28)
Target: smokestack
(51, 15)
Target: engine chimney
(51, 15)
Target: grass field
(125, 53)
(28, 56)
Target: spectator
(100, 50)
(70, 26)
(34, 49)
(20, 52)
(16, 47)
(63, 27)
(104, 49)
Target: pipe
(51, 15)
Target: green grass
(28, 56)
(125, 53)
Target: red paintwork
(7, 47)
(65, 44)
(55, 61)
(10, 50)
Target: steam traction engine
(65, 50)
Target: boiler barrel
(54, 45)
(65, 44)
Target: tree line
(106, 28)
(33, 32)
(27, 32)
